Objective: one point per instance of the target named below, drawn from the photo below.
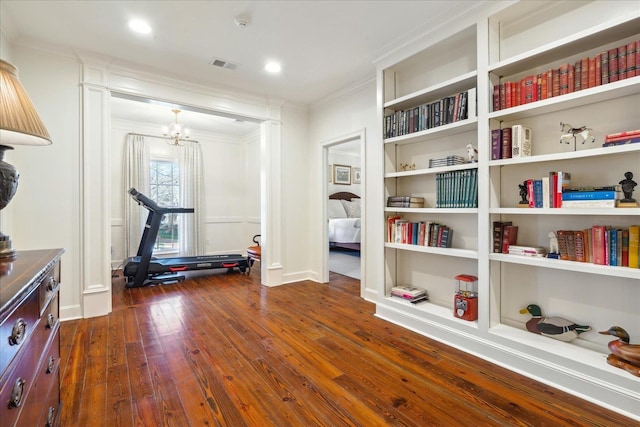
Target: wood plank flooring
(222, 350)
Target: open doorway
(344, 215)
(230, 149)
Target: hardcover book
(520, 141)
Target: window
(165, 190)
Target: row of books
(421, 233)
(545, 192)
(426, 116)
(602, 245)
(457, 189)
(606, 67)
(410, 293)
(446, 161)
(405, 202)
(622, 138)
(511, 142)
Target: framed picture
(356, 175)
(342, 174)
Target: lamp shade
(20, 123)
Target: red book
(531, 197)
(599, 244)
(530, 89)
(506, 143)
(622, 135)
(613, 65)
(637, 58)
(508, 95)
(622, 62)
(509, 237)
(550, 83)
(578, 239)
(516, 100)
(592, 72)
(578, 76)
(544, 94)
(523, 90)
(496, 98)
(584, 63)
(553, 185)
(598, 70)
(502, 96)
(564, 79)
(604, 66)
(632, 64)
(496, 144)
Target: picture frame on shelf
(357, 172)
(342, 174)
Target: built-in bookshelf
(507, 43)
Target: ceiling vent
(223, 64)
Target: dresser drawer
(49, 286)
(17, 382)
(45, 390)
(15, 330)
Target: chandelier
(176, 132)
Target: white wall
(329, 120)
(338, 158)
(45, 212)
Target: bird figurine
(623, 355)
(554, 327)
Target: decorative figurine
(569, 134)
(554, 327)
(407, 166)
(523, 203)
(554, 251)
(623, 355)
(472, 154)
(628, 185)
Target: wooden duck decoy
(554, 327)
(623, 355)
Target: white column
(95, 238)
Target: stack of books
(622, 138)
(446, 161)
(591, 197)
(409, 293)
(536, 251)
(405, 202)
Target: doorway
(344, 201)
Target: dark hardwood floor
(223, 350)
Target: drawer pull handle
(18, 332)
(51, 416)
(16, 393)
(51, 364)
(52, 284)
(51, 321)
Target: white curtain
(136, 174)
(191, 226)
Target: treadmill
(145, 270)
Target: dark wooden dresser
(30, 339)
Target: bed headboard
(343, 195)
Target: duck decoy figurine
(554, 327)
(623, 355)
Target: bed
(344, 221)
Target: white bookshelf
(508, 41)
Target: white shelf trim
(591, 152)
(566, 211)
(429, 171)
(436, 132)
(455, 252)
(447, 88)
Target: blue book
(613, 247)
(589, 195)
(537, 193)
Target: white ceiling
(324, 46)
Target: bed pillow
(336, 209)
(352, 208)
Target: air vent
(223, 64)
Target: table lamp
(19, 125)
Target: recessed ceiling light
(273, 67)
(139, 26)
